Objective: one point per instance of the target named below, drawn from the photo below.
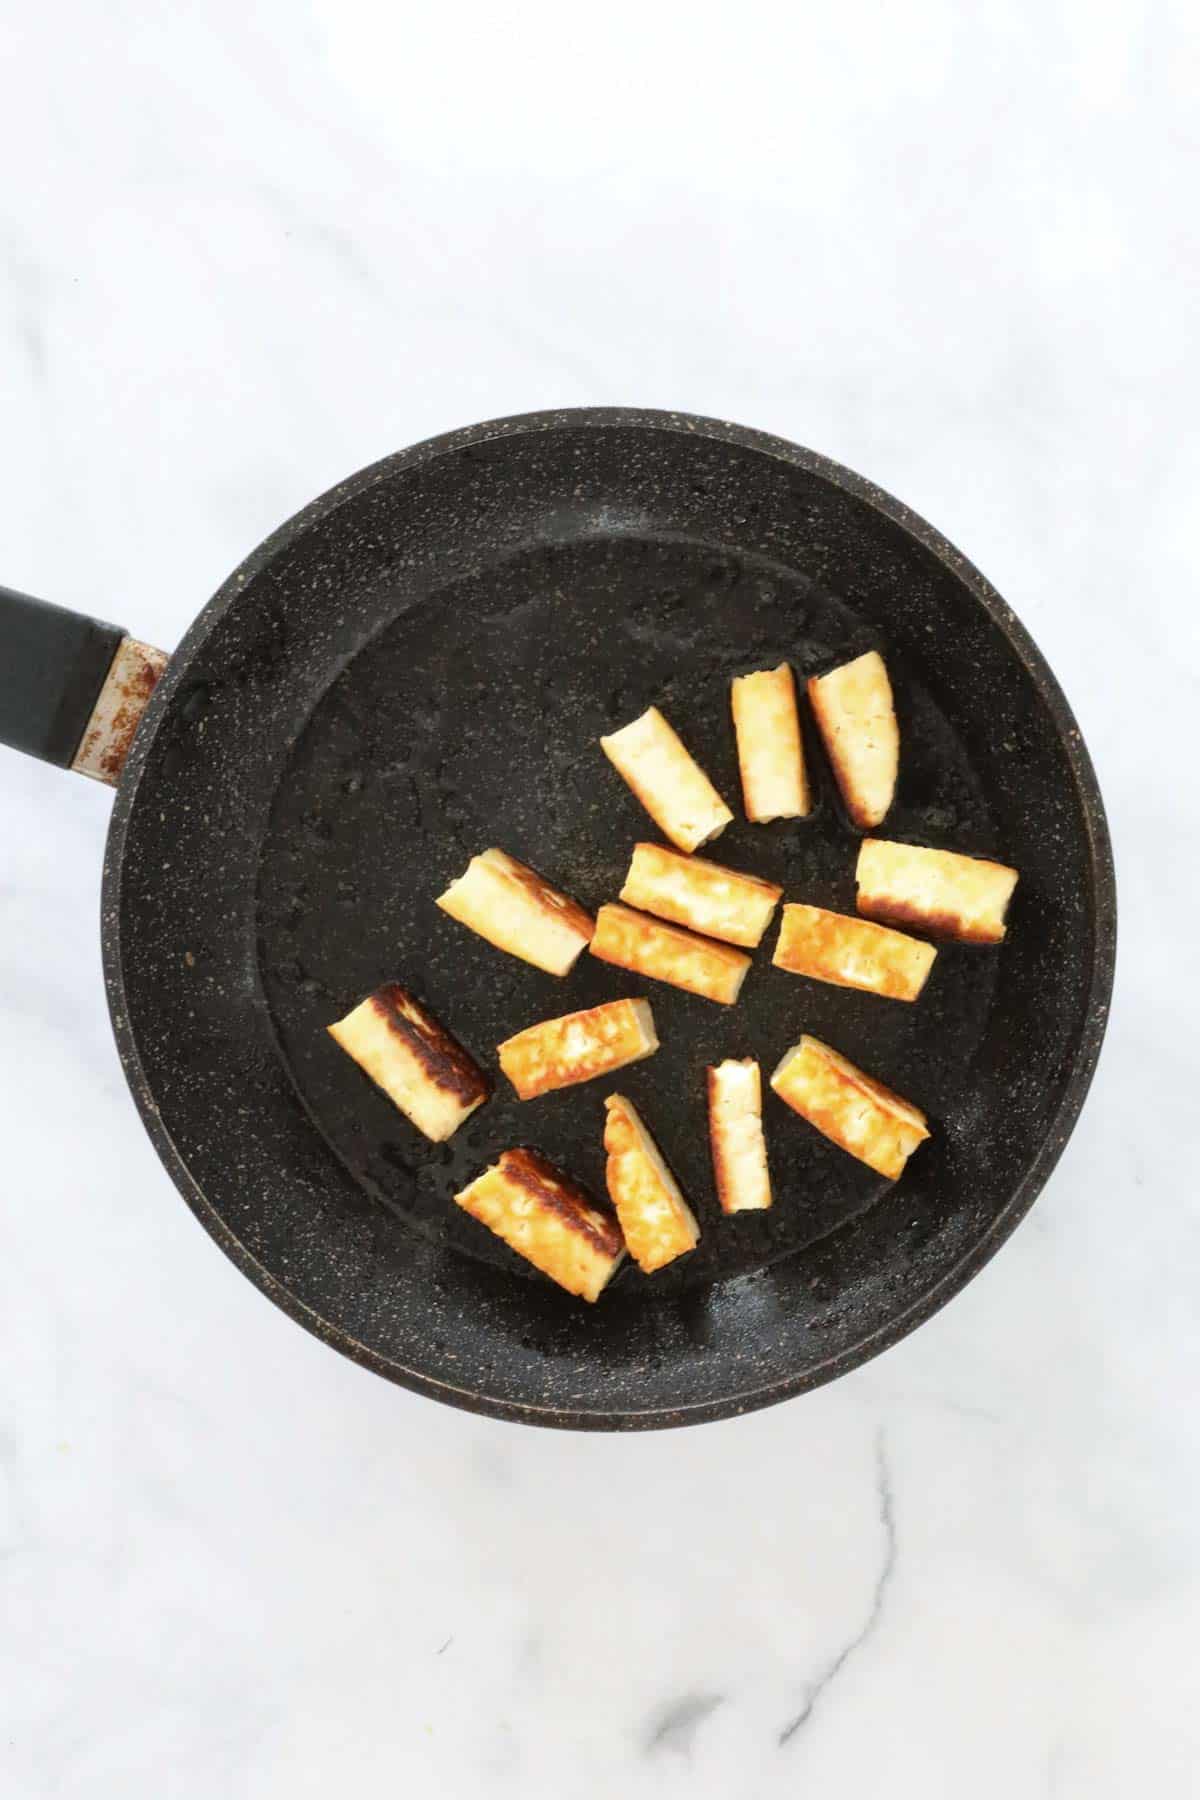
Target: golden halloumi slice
(851, 1109)
(735, 1136)
(416, 1062)
(547, 1218)
(770, 748)
(581, 1045)
(939, 891)
(853, 707)
(851, 953)
(513, 908)
(666, 953)
(657, 1221)
(688, 890)
(671, 786)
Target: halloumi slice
(735, 1135)
(419, 1066)
(770, 748)
(851, 953)
(559, 1053)
(851, 1109)
(671, 786)
(513, 908)
(939, 891)
(853, 707)
(657, 1221)
(547, 1218)
(688, 890)
(666, 953)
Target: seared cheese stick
(770, 748)
(853, 707)
(719, 902)
(674, 790)
(936, 890)
(548, 1219)
(416, 1062)
(852, 953)
(735, 1135)
(513, 908)
(578, 1047)
(657, 1221)
(665, 953)
(851, 1109)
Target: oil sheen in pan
(473, 720)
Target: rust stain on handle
(131, 679)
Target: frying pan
(417, 666)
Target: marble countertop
(246, 249)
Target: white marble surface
(247, 248)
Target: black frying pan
(418, 666)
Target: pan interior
(473, 719)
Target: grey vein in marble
(676, 1725)
(1054, 1767)
(16, 1533)
(832, 1669)
(30, 287)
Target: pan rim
(1101, 917)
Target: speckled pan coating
(417, 666)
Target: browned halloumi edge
(851, 1109)
(688, 890)
(425, 1071)
(735, 1136)
(938, 891)
(657, 1221)
(671, 786)
(512, 907)
(853, 707)
(770, 749)
(630, 940)
(852, 953)
(581, 1045)
(547, 1218)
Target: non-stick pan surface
(419, 666)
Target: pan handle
(72, 689)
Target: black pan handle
(72, 689)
